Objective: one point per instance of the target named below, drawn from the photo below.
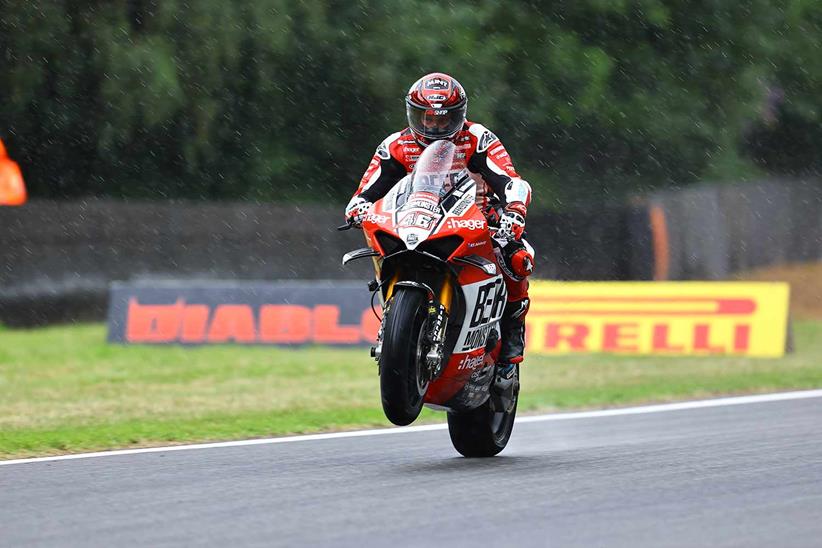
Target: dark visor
(434, 123)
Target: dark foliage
(276, 99)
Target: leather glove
(356, 210)
(512, 222)
(518, 259)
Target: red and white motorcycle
(443, 297)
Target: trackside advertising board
(662, 318)
(279, 313)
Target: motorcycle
(442, 298)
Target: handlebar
(347, 226)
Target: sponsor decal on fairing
(469, 224)
(423, 203)
(471, 362)
(462, 205)
(486, 301)
(375, 218)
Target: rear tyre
(482, 432)
(403, 376)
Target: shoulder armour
(485, 138)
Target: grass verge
(63, 389)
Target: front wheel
(403, 375)
(484, 431)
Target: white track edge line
(640, 410)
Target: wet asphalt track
(743, 475)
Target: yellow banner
(664, 318)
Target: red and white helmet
(436, 106)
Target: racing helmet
(435, 106)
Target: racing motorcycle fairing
(428, 231)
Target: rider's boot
(512, 325)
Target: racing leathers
(501, 194)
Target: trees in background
(273, 99)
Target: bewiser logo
(185, 323)
(487, 302)
(469, 224)
(676, 318)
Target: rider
(436, 108)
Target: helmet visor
(435, 123)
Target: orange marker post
(12, 187)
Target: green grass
(63, 389)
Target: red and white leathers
(499, 189)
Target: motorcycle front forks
(435, 325)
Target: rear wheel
(484, 431)
(403, 375)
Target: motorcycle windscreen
(430, 181)
(432, 173)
